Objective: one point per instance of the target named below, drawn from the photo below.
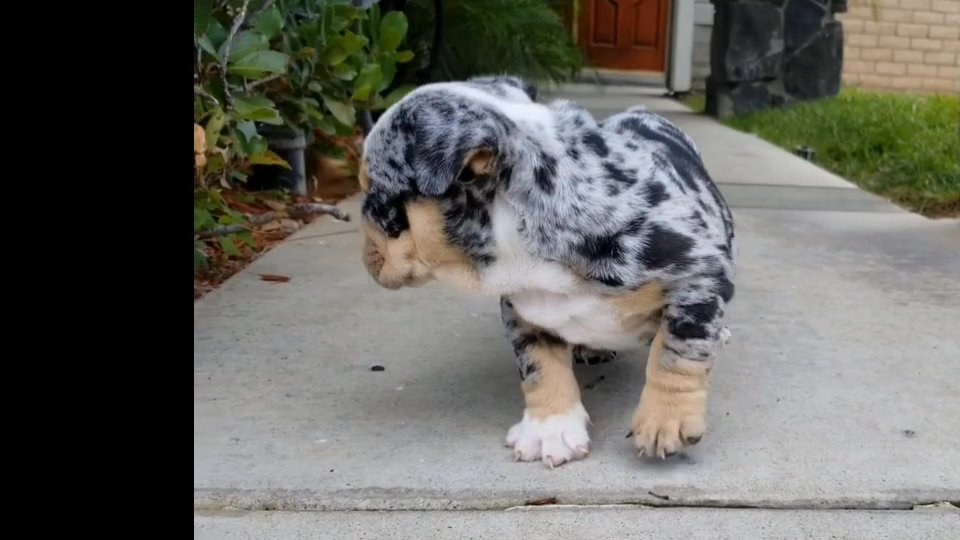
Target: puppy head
(429, 171)
(507, 87)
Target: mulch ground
(222, 265)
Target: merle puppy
(597, 237)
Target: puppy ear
(480, 162)
(467, 164)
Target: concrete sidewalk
(837, 392)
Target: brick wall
(905, 45)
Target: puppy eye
(467, 175)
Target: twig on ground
(293, 211)
(307, 209)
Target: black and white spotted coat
(619, 203)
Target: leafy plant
(482, 37)
(302, 65)
(231, 62)
(341, 59)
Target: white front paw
(725, 335)
(555, 440)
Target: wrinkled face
(429, 172)
(410, 240)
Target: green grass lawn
(902, 147)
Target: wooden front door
(624, 34)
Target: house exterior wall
(702, 24)
(903, 45)
(892, 45)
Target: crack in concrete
(384, 500)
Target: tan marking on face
(392, 262)
(673, 404)
(419, 254)
(554, 390)
(363, 176)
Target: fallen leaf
(274, 278)
(271, 226)
(290, 225)
(199, 140)
(276, 206)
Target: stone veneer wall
(767, 53)
(903, 45)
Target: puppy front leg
(673, 404)
(554, 424)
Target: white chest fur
(580, 319)
(548, 295)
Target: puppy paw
(667, 422)
(555, 440)
(725, 335)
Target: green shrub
(308, 65)
(482, 37)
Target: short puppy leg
(673, 404)
(554, 424)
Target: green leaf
(207, 45)
(238, 176)
(353, 42)
(202, 219)
(403, 57)
(248, 129)
(343, 130)
(216, 33)
(345, 72)
(325, 126)
(257, 108)
(251, 143)
(247, 238)
(247, 104)
(343, 112)
(259, 63)
(214, 125)
(398, 93)
(373, 23)
(309, 33)
(388, 69)
(230, 247)
(393, 28)
(270, 22)
(244, 43)
(335, 53)
(367, 82)
(202, 9)
(269, 157)
(215, 164)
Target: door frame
(678, 46)
(581, 27)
